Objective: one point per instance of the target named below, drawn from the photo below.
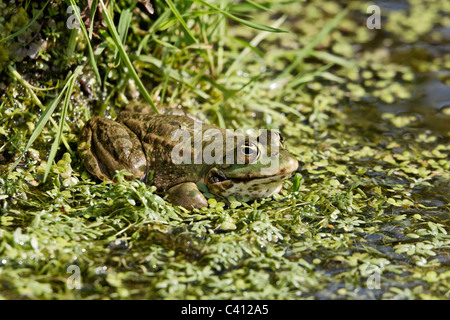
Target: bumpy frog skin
(141, 142)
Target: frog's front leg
(108, 146)
(187, 195)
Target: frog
(142, 142)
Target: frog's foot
(187, 195)
(89, 159)
(108, 146)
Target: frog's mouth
(252, 186)
(217, 176)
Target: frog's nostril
(218, 176)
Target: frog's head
(259, 168)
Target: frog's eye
(248, 151)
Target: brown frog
(144, 142)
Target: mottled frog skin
(142, 143)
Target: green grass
(371, 197)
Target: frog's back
(158, 135)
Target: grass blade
(348, 64)
(40, 125)
(253, 44)
(257, 5)
(170, 22)
(46, 116)
(181, 20)
(311, 45)
(55, 145)
(308, 77)
(124, 25)
(94, 5)
(250, 24)
(86, 36)
(124, 56)
(172, 73)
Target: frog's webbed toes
(187, 195)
